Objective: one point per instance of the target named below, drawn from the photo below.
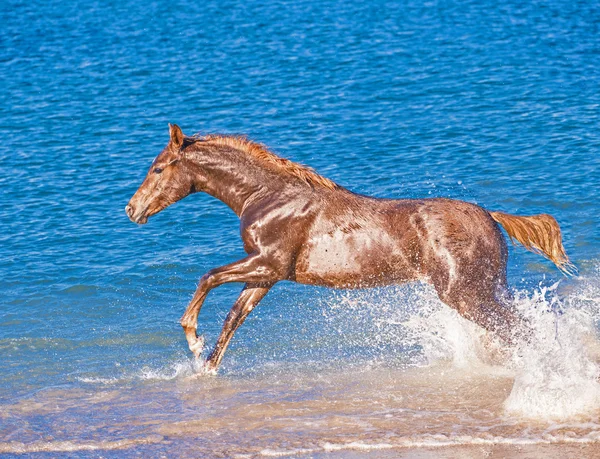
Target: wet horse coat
(297, 225)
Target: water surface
(492, 102)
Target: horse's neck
(233, 181)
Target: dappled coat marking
(297, 225)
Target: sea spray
(184, 368)
(406, 325)
(444, 335)
(556, 371)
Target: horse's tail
(539, 234)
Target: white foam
(433, 441)
(179, 369)
(184, 368)
(282, 453)
(556, 374)
(74, 446)
(445, 336)
(356, 445)
(92, 380)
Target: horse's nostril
(129, 210)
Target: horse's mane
(262, 154)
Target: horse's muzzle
(140, 218)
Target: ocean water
(491, 102)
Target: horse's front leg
(253, 268)
(246, 302)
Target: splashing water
(556, 371)
(410, 373)
(445, 336)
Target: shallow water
(494, 103)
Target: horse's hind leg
(246, 302)
(489, 308)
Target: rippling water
(492, 102)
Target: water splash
(178, 369)
(445, 336)
(555, 373)
(557, 370)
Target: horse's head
(166, 182)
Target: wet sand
(538, 451)
(429, 412)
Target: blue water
(495, 103)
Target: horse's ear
(176, 135)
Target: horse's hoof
(197, 347)
(209, 369)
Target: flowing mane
(270, 159)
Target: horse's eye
(158, 170)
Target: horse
(299, 226)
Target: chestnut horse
(297, 225)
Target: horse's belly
(351, 261)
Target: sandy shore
(535, 451)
